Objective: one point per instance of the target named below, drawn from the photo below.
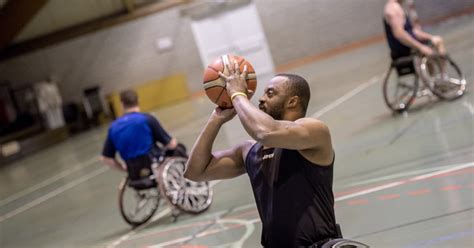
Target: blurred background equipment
(95, 106)
(49, 103)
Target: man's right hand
(426, 50)
(223, 115)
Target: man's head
(129, 99)
(286, 97)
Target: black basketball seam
(219, 97)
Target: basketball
(215, 86)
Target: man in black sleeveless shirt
(290, 163)
(403, 36)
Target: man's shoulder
(245, 147)
(392, 8)
(149, 117)
(128, 117)
(311, 122)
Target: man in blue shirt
(134, 136)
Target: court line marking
(132, 232)
(363, 192)
(48, 181)
(53, 193)
(346, 96)
(237, 223)
(402, 182)
(192, 222)
(397, 175)
(160, 214)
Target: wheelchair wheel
(188, 196)
(399, 92)
(137, 206)
(343, 243)
(447, 86)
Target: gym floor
(400, 180)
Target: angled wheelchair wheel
(344, 243)
(448, 85)
(137, 204)
(399, 91)
(188, 196)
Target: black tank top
(294, 197)
(396, 47)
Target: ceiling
(27, 25)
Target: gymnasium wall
(126, 55)
(297, 29)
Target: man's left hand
(236, 80)
(435, 40)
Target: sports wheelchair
(141, 190)
(339, 242)
(401, 84)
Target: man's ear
(293, 102)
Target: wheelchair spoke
(186, 195)
(400, 98)
(405, 86)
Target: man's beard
(275, 111)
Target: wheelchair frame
(407, 66)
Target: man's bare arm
(113, 163)
(305, 133)
(422, 35)
(203, 164)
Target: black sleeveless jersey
(396, 47)
(294, 197)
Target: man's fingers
(250, 93)
(236, 67)
(230, 66)
(244, 73)
(222, 75)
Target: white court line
(53, 193)
(363, 192)
(132, 232)
(48, 181)
(401, 182)
(398, 175)
(248, 232)
(164, 212)
(346, 97)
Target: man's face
(273, 100)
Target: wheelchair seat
(143, 183)
(404, 65)
(140, 173)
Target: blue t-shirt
(134, 134)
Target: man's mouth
(261, 107)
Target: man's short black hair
(129, 98)
(298, 86)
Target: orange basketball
(215, 86)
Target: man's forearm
(405, 38)
(421, 35)
(256, 122)
(113, 163)
(201, 152)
